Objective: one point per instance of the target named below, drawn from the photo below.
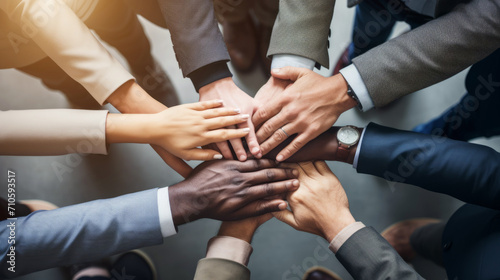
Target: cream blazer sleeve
(56, 29)
(52, 132)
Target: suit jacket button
(447, 246)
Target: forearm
(129, 128)
(323, 147)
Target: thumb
(288, 73)
(202, 154)
(286, 216)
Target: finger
(238, 149)
(294, 146)
(265, 112)
(271, 189)
(286, 216)
(288, 73)
(270, 175)
(220, 135)
(251, 139)
(224, 149)
(308, 168)
(199, 106)
(262, 207)
(277, 138)
(271, 126)
(220, 112)
(202, 154)
(220, 122)
(254, 165)
(322, 167)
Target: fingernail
(259, 155)
(246, 129)
(280, 158)
(245, 116)
(282, 206)
(255, 150)
(296, 183)
(295, 173)
(237, 110)
(220, 101)
(276, 70)
(243, 158)
(218, 156)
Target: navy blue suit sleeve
(463, 170)
(80, 233)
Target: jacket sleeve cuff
(209, 74)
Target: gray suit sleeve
(221, 269)
(301, 28)
(80, 233)
(431, 53)
(367, 255)
(195, 33)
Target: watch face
(348, 135)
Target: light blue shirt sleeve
(283, 60)
(165, 213)
(356, 156)
(353, 78)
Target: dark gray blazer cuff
(209, 74)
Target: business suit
(82, 232)
(465, 171)
(365, 255)
(433, 52)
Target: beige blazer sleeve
(56, 29)
(52, 132)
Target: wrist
(334, 144)
(332, 228)
(238, 230)
(214, 86)
(180, 204)
(340, 87)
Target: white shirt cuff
(353, 78)
(356, 156)
(283, 60)
(165, 213)
(344, 235)
(229, 248)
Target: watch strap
(342, 153)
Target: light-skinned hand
(320, 205)
(226, 90)
(308, 107)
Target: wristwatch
(347, 137)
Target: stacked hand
(320, 205)
(231, 190)
(180, 129)
(307, 108)
(226, 90)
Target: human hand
(271, 90)
(181, 129)
(231, 190)
(243, 229)
(320, 205)
(308, 107)
(225, 89)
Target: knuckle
(237, 180)
(279, 136)
(296, 145)
(271, 175)
(262, 113)
(269, 189)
